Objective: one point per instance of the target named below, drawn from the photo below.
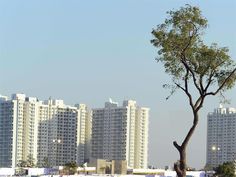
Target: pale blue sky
(88, 51)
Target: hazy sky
(87, 51)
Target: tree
(196, 69)
(227, 169)
(30, 161)
(71, 168)
(46, 163)
(27, 163)
(22, 163)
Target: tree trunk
(181, 166)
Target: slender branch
(186, 80)
(178, 85)
(209, 82)
(211, 75)
(184, 61)
(177, 146)
(193, 75)
(185, 90)
(201, 83)
(222, 85)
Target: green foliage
(45, 163)
(208, 167)
(185, 56)
(227, 169)
(22, 163)
(30, 161)
(27, 163)
(71, 168)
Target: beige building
(84, 133)
(109, 167)
(44, 131)
(57, 133)
(121, 133)
(18, 131)
(64, 133)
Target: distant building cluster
(54, 133)
(221, 136)
(50, 132)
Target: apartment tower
(49, 132)
(121, 133)
(18, 129)
(221, 136)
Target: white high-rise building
(64, 133)
(48, 132)
(221, 136)
(121, 133)
(84, 135)
(57, 133)
(18, 131)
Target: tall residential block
(57, 133)
(84, 135)
(47, 131)
(18, 129)
(121, 133)
(221, 136)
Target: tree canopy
(185, 56)
(227, 169)
(71, 167)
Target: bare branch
(176, 145)
(193, 75)
(179, 86)
(185, 90)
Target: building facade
(121, 133)
(84, 125)
(221, 136)
(18, 134)
(49, 132)
(57, 133)
(7, 132)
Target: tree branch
(177, 146)
(222, 85)
(183, 60)
(185, 90)
(211, 75)
(178, 85)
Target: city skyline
(52, 132)
(86, 52)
